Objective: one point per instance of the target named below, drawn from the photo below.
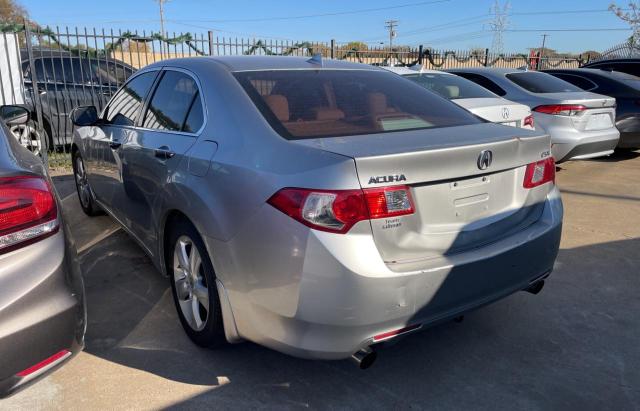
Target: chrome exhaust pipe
(364, 357)
(536, 287)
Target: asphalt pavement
(576, 345)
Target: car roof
(404, 71)
(487, 70)
(605, 61)
(254, 63)
(614, 75)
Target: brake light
(28, 211)
(528, 121)
(539, 173)
(561, 109)
(337, 211)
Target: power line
(331, 14)
(566, 30)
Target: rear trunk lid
(497, 110)
(599, 115)
(458, 206)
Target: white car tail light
(28, 211)
(539, 173)
(337, 211)
(561, 109)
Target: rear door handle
(164, 153)
(115, 145)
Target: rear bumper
(42, 310)
(576, 145)
(342, 293)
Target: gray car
(42, 307)
(320, 208)
(581, 124)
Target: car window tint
(542, 83)
(127, 103)
(62, 70)
(110, 73)
(484, 82)
(578, 81)
(327, 103)
(171, 102)
(450, 86)
(195, 118)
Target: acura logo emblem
(505, 112)
(484, 159)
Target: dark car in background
(629, 66)
(42, 306)
(65, 81)
(624, 87)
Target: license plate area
(599, 121)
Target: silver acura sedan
(581, 124)
(319, 208)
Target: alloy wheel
(28, 137)
(191, 284)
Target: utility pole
(391, 25)
(544, 39)
(162, 32)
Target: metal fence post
(420, 51)
(486, 57)
(37, 102)
(333, 48)
(210, 33)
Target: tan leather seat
(327, 113)
(279, 105)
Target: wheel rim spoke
(183, 256)
(202, 294)
(194, 262)
(195, 310)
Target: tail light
(28, 211)
(561, 109)
(539, 173)
(337, 211)
(528, 121)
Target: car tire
(85, 194)
(193, 285)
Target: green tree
(357, 45)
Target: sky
(442, 24)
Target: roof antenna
(316, 59)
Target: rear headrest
(328, 113)
(279, 105)
(453, 91)
(377, 103)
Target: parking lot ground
(576, 345)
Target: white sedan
(469, 95)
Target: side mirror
(84, 116)
(14, 115)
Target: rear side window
(578, 81)
(450, 86)
(329, 103)
(61, 70)
(543, 83)
(171, 104)
(484, 82)
(127, 103)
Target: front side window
(542, 83)
(127, 103)
(450, 86)
(302, 104)
(172, 103)
(109, 73)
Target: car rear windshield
(330, 103)
(450, 86)
(541, 82)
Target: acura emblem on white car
(484, 159)
(505, 112)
